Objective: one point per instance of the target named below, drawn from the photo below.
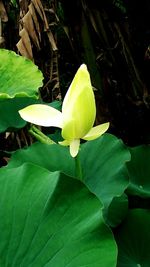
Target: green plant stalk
(78, 168)
(40, 136)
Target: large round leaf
(139, 171)
(133, 238)
(104, 168)
(18, 76)
(52, 157)
(51, 220)
(103, 163)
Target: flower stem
(78, 168)
(40, 136)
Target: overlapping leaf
(51, 157)
(139, 171)
(116, 211)
(104, 167)
(103, 164)
(133, 238)
(49, 219)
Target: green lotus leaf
(104, 167)
(133, 238)
(103, 163)
(49, 219)
(115, 213)
(139, 171)
(19, 76)
(51, 157)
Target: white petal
(96, 131)
(74, 147)
(42, 115)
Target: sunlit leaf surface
(19, 77)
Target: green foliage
(95, 157)
(104, 167)
(10, 118)
(14, 3)
(139, 172)
(9, 112)
(116, 211)
(51, 157)
(62, 211)
(49, 219)
(119, 4)
(19, 77)
(133, 237)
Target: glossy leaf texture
(103, 166)
(139, 171)
(50, 219)
(19, 76)
(133, 238)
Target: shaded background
(111, 37)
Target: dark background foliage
(111, 37)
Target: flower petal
(42, 115)
(96, 131)
(64, 143)
(69, 131)
(74, 147)
(78, 107)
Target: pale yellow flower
(78, 113)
